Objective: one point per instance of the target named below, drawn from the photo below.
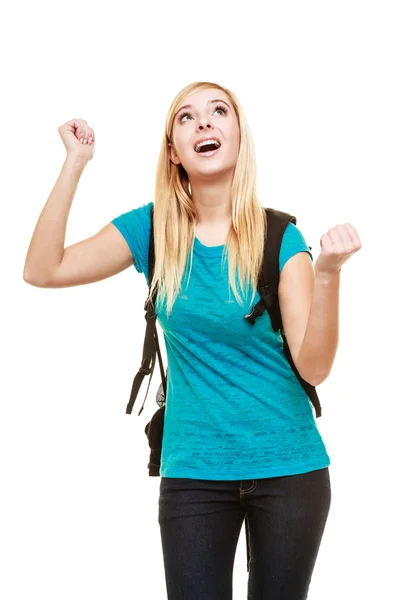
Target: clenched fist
(337, 246)
(78, 138)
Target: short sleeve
(134, 225)
(292, 242)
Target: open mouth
(207, 148)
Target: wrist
(327, 277)
(75, 161)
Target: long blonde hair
(175, 215)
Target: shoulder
(293, 241)
(141, 213)
(134, 225)
(135, 221)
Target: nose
(203, 122)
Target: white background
(319, 83)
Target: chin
(212, 167)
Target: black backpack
(268, 290)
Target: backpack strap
(268, 283)
(268, 280)
(151, 344)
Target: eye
(185, 114)
(222, 108)
(188, 114)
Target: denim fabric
(200, 523)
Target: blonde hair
(175, 215)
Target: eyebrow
(209, 102)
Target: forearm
(321, 338)
(46, 248)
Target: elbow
(27, 278)
(32, 281)
(310, 373)
(315, 379)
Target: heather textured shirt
(234, 407)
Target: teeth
(216, 142)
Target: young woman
(240, 439)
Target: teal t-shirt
(234, 409)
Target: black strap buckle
(145, 370)
(251, 318)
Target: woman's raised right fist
(78, 138)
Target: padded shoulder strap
(277, 221)
(151, 256)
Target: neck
(213, 200)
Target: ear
(173, 155)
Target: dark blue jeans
(201, 520)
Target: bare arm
(48, 264)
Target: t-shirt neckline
(207, 250)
